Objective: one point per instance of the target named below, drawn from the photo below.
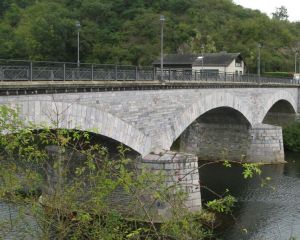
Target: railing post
(92, 72)
(116, 72)
(1, 74)
(73, 75)
(30, 72)
(169, 74)
(154, 73)
(78, 77)
(64, 77)
(136, 73)
(52, 75)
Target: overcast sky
(269, 6)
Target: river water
(270, 212)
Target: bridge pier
(266, 144)
(216, 141)
(234, 142)
(179, 169)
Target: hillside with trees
(128, 31)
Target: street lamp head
(259, 45)
(162, 18)
(77, 24)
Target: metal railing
(12, 70)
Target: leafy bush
(84, 194)
(291, 137)
(74, 190)
(278, 74)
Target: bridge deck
(42, 87)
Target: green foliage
(291, 137)
(73, 189)
(188, 227)
(128, 32)
(250, 169)
(227, 164)
(222, 205)
(281, 13)
(278, 74)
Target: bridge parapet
(11, 70)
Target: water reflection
(271, 212)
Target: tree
(48, 32)
(128, 32)
(281, 13)
(72, 189)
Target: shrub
(291, 137)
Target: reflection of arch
(202, 106)
(272, 100)
(85, 118)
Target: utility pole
(295, 62)
(258, 62)
(78, 41)
(202, 54)
(162, 19)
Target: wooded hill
(128, 31)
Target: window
(211, 72)
(238, 64)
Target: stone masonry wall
(180, 169)
(147, 120)
(261, 143)
(266, 144)
(216, 141)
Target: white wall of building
(219, 68)
(231, 68)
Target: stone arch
(203, 105)
(81, 117)
(273, 99)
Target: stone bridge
(210, 122)
(147, 120)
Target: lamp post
(295, 62)
(201, 58)
(162, 20)
(202, 54)
(258, 62)
(78, 46)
